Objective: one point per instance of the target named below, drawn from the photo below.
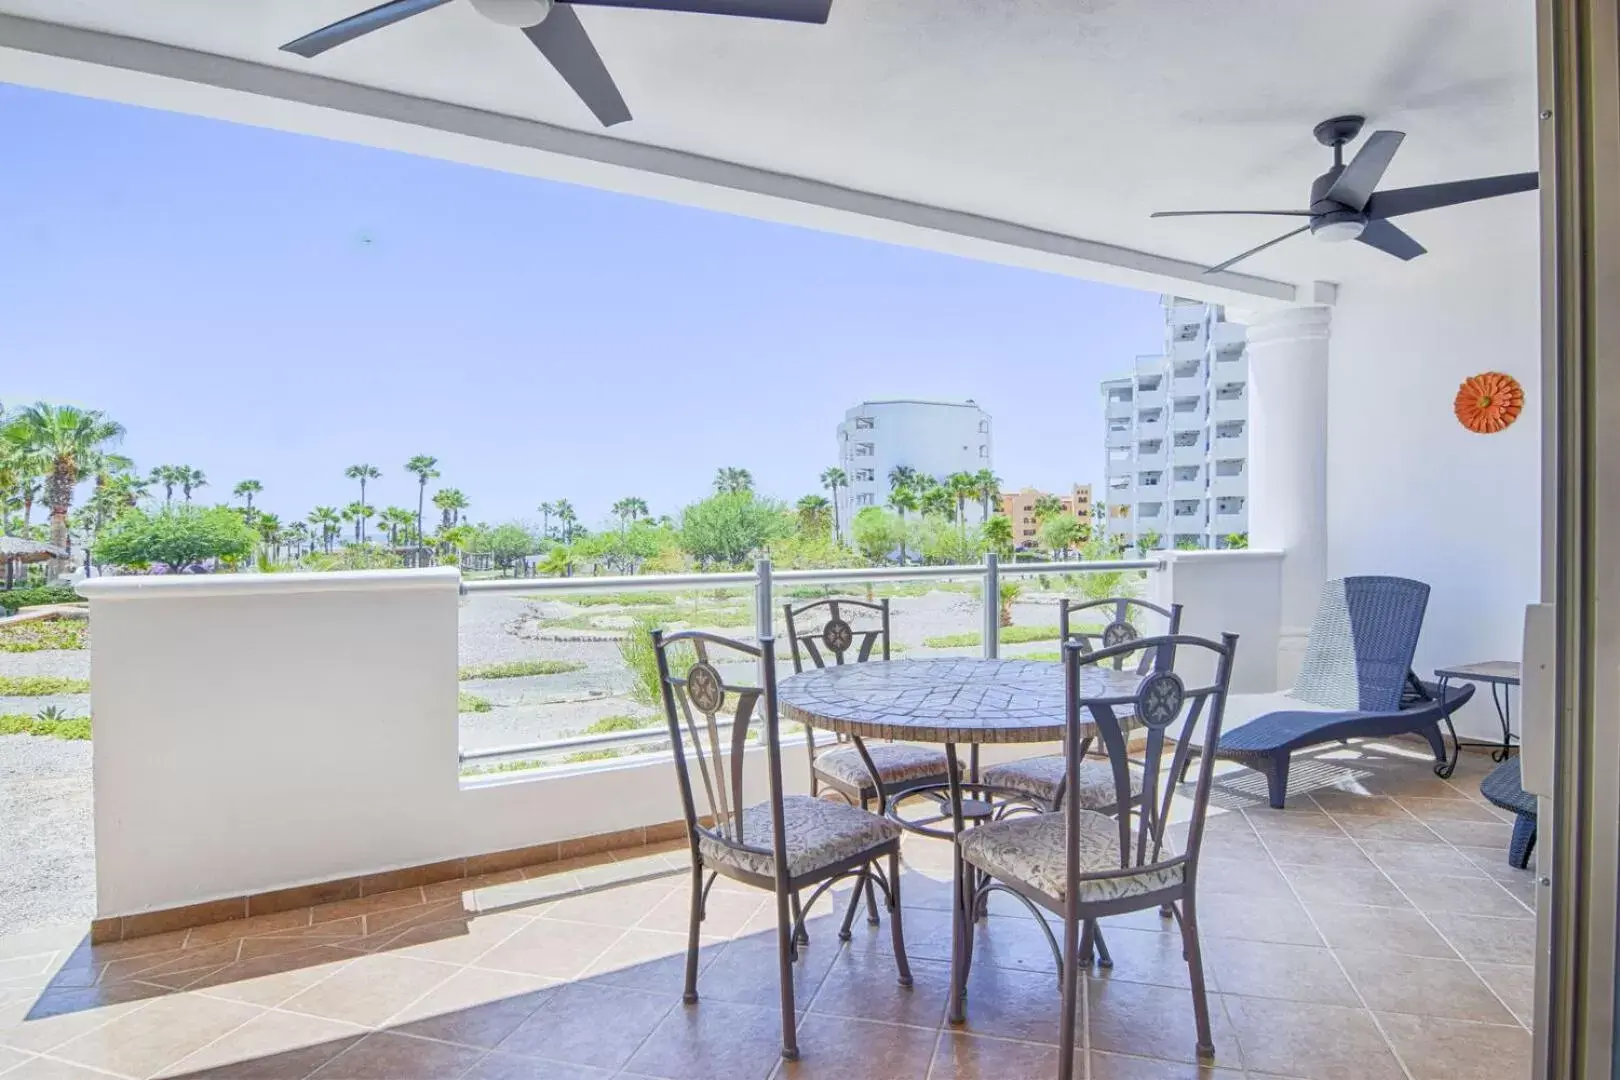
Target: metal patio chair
(838, 765)
(1043, 780)
(783, 845)
(1081, 865)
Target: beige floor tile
(551, 947)
(1280, 920)
(1287, 972)
(1296, 820)
(1252, 876)
(837, 1048)
(1515, 985)
(1012, 1004)
(271, 1046)
(1423, 986)
(369, 990)
(744, 971)
(725, 914)
(525, 896)
(651, 959)
(43, 1022)
(1397, 856)
(1468, 896)
(1312, 1042)
(10, 1059)
(714, 1040)
(47, 1069)
(1401, 830)
(1354, 804)
(146, 1040)
(1330, 885)
(1148, 956)
(456, 941)
(1359, 928)
(961, 1056)
(271, 980)
(1119, 1067)
(387, 1056)
(621, 907)
(473, 1008)
(865, 987)
(601, 1026)
(1291, 849)
(1482, 939)
(498, 1066)
(1156, 1022)
(257, 926)
(366, 905)
(1434, 810)
(1435, 1049)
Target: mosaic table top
(955, 700)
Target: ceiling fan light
(1337, 232)
(515, 13)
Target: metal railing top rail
(656, 732)
(829, 576)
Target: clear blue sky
(258, 304)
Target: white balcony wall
(1231, 446)
(1151, 429)
(1158, 459)
(1188, 385)
(1227, 334)
(1155, 398)
(1188, 419)
(1236, 370)
(1409, 491)
(259, 732)
(1228, 485)
(1120, 410)
(1222, 524)
(1187, 489)
(1187, 350)
(1188, 455)
(1228, 409)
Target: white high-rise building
(936, 438)
(1177, 442)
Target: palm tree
(565, 519)
(362, 473)
(962, 486)
(69, 442)
(546, 510)
(935, 501)
(450, 502)
(399, 522)
(902, 476)
(902, 499)
(297, 535)
(729, 480)
(166, 476)
(359, 513)
(1046, 506)
(269, 528)
(245, 490)
(988, 485)
(422, 467)
(813, 510)
(832, 479)
(628, 509)
(190, 480)
(326, 520)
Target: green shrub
(623, 599)
(516, 669)
(47, 724)
(466, 702)
(13, 599)
(607, 725)
(41, 685)
(636, 650)
(44, 635)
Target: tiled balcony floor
(1373, 930)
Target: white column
(1287, 429)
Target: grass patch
(610, 724)
(516, 669)
(41, 685)
(718, 618)
(466, 702)
(71, 728)
(624, 599)
(45, 635)
(1052, 657)
(1010, 635)
(501, 767)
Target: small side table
(1501, 676)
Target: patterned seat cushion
(1030, 849)
(1040, 776)
(819, 834)
(897, 762)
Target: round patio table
(949, 701)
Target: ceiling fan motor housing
(516, 13)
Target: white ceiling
(1076, 117)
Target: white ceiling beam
(94, 64)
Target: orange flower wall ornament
(1488, 403)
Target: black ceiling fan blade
(1256, 250)
(1391, 240)
(562, 40)
(805, 11)
(1388, 204)
(1207, 213)
(327, 37)
(1356, 183)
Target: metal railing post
(762, 598)
(992, 606)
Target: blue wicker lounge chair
(1356, 683)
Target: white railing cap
(191, 586)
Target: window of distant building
(865, 423)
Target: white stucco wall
(1409, 490)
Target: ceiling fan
(1346, 206)
(557, 32)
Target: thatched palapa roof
(15, 548)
